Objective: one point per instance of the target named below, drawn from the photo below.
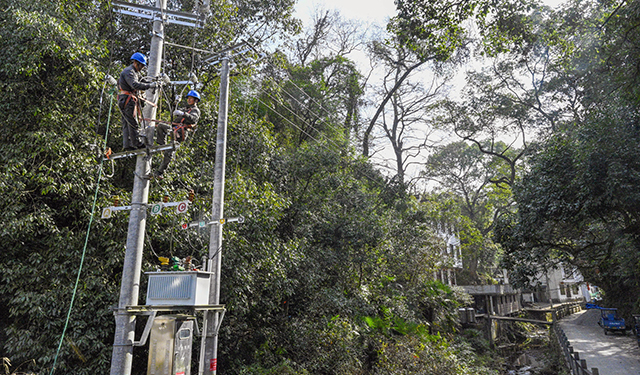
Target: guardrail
(578, 366)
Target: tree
(405, 119)
(578, 203)
(313, 102)
(434, 31)
(49, 173)
(403, 67)
(467, 172)
(298, 274)
(329, 35)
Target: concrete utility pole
(122, 358)
(217, 212)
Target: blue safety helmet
(139, 58)
(194, 93)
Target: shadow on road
(612, 354)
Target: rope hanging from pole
(84, 249)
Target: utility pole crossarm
(126, 154)
(152, 13)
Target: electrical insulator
(116, 201)
(192, 195)
(165, 198)
(112, 81)
(165, 78)
(193, 77)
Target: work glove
(153, 85)
(178, 112)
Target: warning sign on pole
(213, 364)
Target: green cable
(86, 240)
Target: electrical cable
(316, 115)
(305, 121)
(240, 128)
(84, 250)
(149, 243)
(333, 149)
(289, 121)
(311, 100)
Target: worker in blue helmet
(130, 85)
(184, 120)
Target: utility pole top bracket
(152, 13)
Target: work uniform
(181, 125)
(129, 85)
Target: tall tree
(467, 172)
(404, 120)
(577, 203)
(48, 83)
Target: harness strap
(130, 95)
(135, 97)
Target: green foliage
(326, 238)
(399, 326)
(408, 355)
(578, 202)
(285, 368)
(318, 101)
(432, 28)
(472, 180)
(438, 29)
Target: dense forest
(346, 177)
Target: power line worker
(129, 101)
(184, 120)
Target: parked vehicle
(611, 321)
(636, 327)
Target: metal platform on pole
(140, 151)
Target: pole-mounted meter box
(179, 288)
(170, 345)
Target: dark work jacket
(129, 81)
(186, 121)
(190, 117)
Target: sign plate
(182, 207)
(106, 213)
(156, 208)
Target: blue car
(610, 321)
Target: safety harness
(180, 128)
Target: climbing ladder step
(141, 151)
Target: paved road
(613, 354)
